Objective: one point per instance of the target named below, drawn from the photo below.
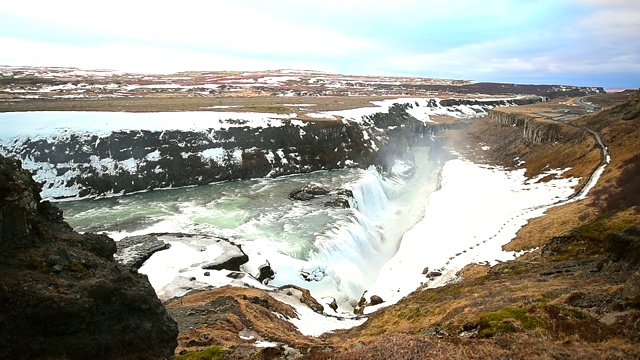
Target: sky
(572, 42)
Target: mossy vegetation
(508, 319)
(213, 353)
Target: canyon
(572, 294)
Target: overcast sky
(575, 42)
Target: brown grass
(173, 102)
(216, 317)
(557, 302)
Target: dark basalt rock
(236, 275)
(138, 160)
(308, 192)
(62, 295)
(338, 198)
(266, 273)
(339, 203)
(334, 305)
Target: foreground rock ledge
(62, 295)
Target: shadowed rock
(230, 259)
(62, 295)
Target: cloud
(533, 40)
(210, 26)
(137, 58)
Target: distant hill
(73, 83)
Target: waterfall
(369, 197)
(355, 249)
(333, 252)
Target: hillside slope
(576, 296)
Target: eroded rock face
(62, 294)
(82, 164)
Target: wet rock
(308, 192)
(337, 198)
(301, 195)
(334, 305)
(231, 258)
(266, 273)
(339, 203)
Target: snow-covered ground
(47, 124)
(476, 211)
(418, 108)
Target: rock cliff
(62, 295)
(534, 130)
(75, 164)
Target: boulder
(375, 300)
(308, 192)
(266, 273)
(304, 296)
(230, 259)
(334, 305)
(338, 203)
(62, 294)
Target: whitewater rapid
(343, 248)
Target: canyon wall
(75, 164)
(535, 130)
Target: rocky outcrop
(337, 198)
(539, 131)
(62, 294)
(493, 103)
(135, 250)
(534, 130)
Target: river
(344, 248)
